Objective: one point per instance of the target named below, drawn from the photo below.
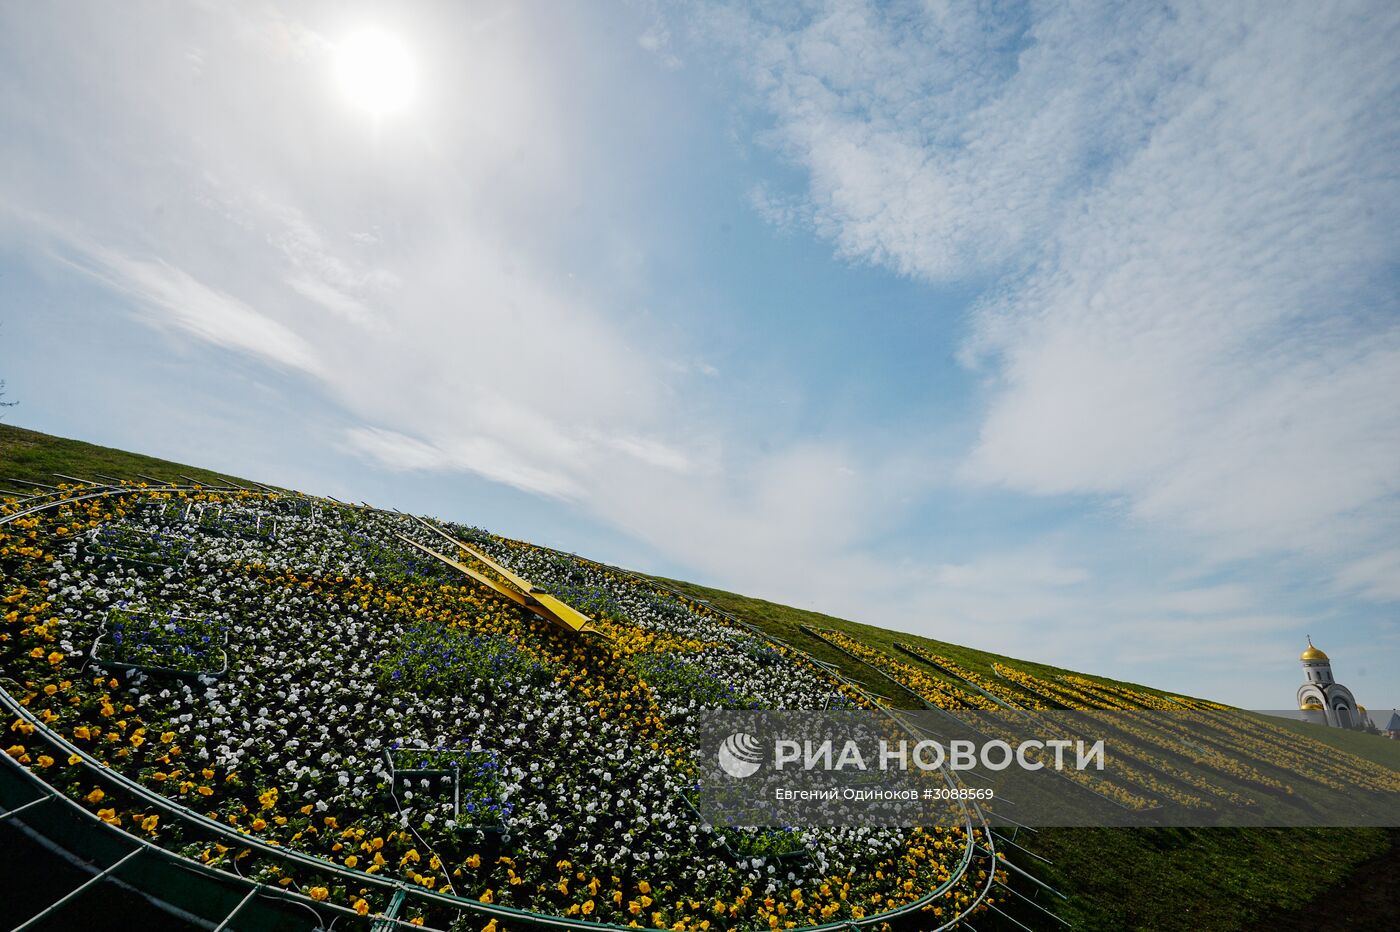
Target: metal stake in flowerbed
(161, 643)
(137, 547)
(214, 518)
(474, 779)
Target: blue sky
(1066, 331)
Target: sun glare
(376, 72)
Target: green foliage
(132, 545)
(436, 661)
(160, 639)
(764, 843)
(675, 676)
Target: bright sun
(376, 72)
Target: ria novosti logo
(740, 755)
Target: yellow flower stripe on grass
(933, 690)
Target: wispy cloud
(483, 455)
(1188, 209)
(169, 296)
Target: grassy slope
(1219, 879)
(1117, 879)
(30, 456)
(1359, 743)
(785, 622)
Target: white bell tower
(1321, 698)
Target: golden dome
(1311, 707)
(1312, 653)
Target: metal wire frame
(82, 888)
(1032, 903)
(76, 479)
(31, 484)
(143, 846)
(56, 494)
(492, 910)
(18, 501)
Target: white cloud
(1375, 576)
(485, 456)
(168, 295)
(993, 574)
(1207, 600)
(1191, 212)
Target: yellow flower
(166, 737)
(644, 887)
(204, 791)
(50, 689)
(588, 907)
(45, 761)
(473, 862)
(95, 796)
(489, 927)
(318, 893)
(259, 825)
(149, 823)
(351, 861)
(361, 906)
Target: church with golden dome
(1322, 699)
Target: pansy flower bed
(580, 745)
(680, 678)
(473, 779)
(125, 544)
(161, 642)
